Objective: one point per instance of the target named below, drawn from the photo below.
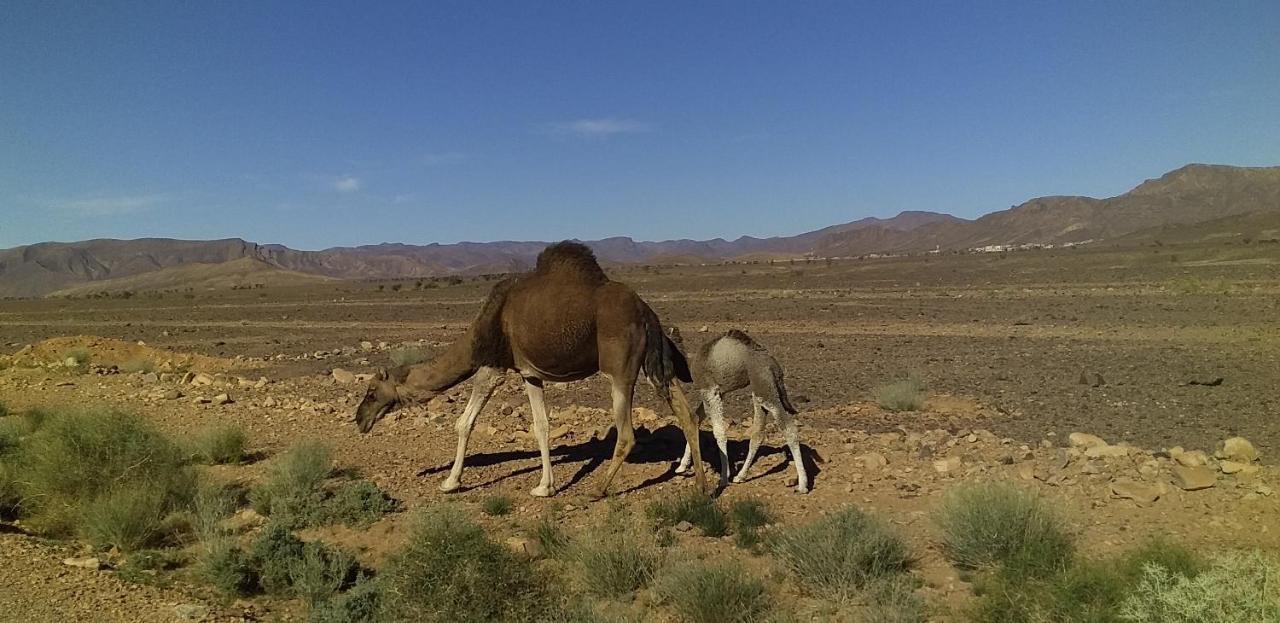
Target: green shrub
(893, 600)
(294, 492)
(992, 524)
(228, 568)
(551, 537)
(905, 395)
(449, 570)
(213, 503)
(138, 365)
(714, 592)
(273, 555)
(357, 503)
(842, 553)
(407, 356)
(747, 517)
(496, 506)
(1236, 588)
(320, 572)
(692, 506)
(360, 604)
(107, 476)
(80, 355)
(613, 562)
(220, 446)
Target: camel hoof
(542, 492)
(739, 479)
(802, 489)
(449, 485)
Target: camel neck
(450, 368)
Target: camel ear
(381, 375)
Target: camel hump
(744, 339)
(569, 256)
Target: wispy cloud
(108, 205)
(598, 128)
(347, 184)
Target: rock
(201, 379)
(366, 345)
(269, 402)
(1194, 458)
(562, 430)
(703, 329)
(1093, 467)
(527, 547)
(172, 394)
(1085, 440)
(506, 410)
(1233, 467)
(1106, 452)
(874, 460)
(343, 376)
(1193, 478)
(190, 612)
(683, 526)
(949, 465)
(149, 377)
(83, 563)
(645, 415)
(187, 377)
(262, 382)
(222, 399)
(1136, 491)
(1237, 449)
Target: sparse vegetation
(996, 524)
(496, 505)
(228, 568)
(357, 503)
(407, 356)
(552, 539)
(904, 395)
(843, 553)
(359, 604)
(694, 507)
(295, 494)
(321, 572)
(106, 476)
(714, 592)
(220, 446)
(79, 357)
(1235, 588)
(450, 571)
(612, 560)
(747, 517)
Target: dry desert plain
(1017, 350)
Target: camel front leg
(483, 383)
(622, 391)
(756, 435)
(682, 468)
(537, 404)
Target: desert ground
(1017, 350)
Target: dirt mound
(103, 351)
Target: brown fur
(570, 256)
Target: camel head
(382, 397)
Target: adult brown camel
(564, 321)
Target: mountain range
(1190, 195)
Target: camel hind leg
(679, 405)
(622, 391)
(790, 432)
(756, 435)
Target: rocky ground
(1026, 362)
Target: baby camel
(731, 362)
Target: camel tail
(663, 361)
(782, 391)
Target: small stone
(949, 465)
(1027, 471)
(190, 612)
(188, 377)
(366, 345)
(645, 415)
(342, 376)
(1093, 467)
(1085, 440)
(874, 460)
(1194, 458)
(172, 394)
(527, 547)
(971, 438)
(562, 430)
(222, 399)
(683, 526)
(1106, 452)
(201, 380)
(1237, 449)
(1193, 478)
(83, 563)
(149, 377)
(1136, 491)
(703, 329)
(269, 402)
(1232, 467)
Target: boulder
(1237, 449)
(1193, 458)
(1193, 478)
(1085, 440)
(342, 376)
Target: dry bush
(714, 592)
(220, 446)
(997, 524)
(692, 506)
(1235, 588)
(842, 554)
(905, 395)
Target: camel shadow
(664, 445)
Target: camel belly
(555, 349)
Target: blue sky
(322, 124)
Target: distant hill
(245, 272)
(1188, 196)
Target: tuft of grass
(551, 537)
(450, 571)
(294, 487)
(747, 517)
(213, 503)
(80, 355)
(228, 568)
(692, 506)
(893, 600)
(905, 395)
(148, 566)
(220, 446)
(842, 553)
(612, 561)
(715, 592)
(407, 356)
(357, 503)
(359, 604)
(104, 475)
(138, 365)
(273, 555)
(996, 524)
(1235, 588)
(496, 505)
(321, 572)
